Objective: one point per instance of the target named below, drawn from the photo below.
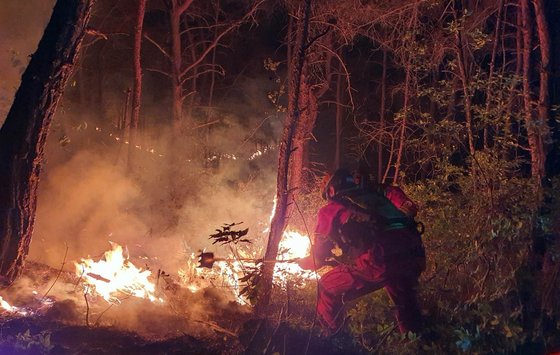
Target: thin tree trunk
(24, 133)
(176, 64)
(533, 134)
(491, 72)
(518, 68)
(98, 102)
(543, 104)
(283, 191)
(338, 122)
(137, 90)
(124, 124)
(382, 117)
(407, 84)
(466, 92)
(209, 111)
(191, 98)
(402, 132)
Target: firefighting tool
(207, 260)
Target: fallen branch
(102, 313)
(216, 327)
(269, 343)
(87, 308)
(98, 277)
(59, 273)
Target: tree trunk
(283, 189)
(176, 64)
(137, 90)
(462, 65)
(124, 122)
(338, 122)
(406, 103)
(24, 133)
(308, 112)
(512, 97)
(533, 133)
(491, 70)
(543, 104)
(402, 134)
(382, 117)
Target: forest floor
(66, 324)
(37, 336)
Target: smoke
(162, 212)
(21, 26)
(181, 189)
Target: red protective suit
(392, 259)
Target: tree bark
(137, 90)
(491, 70)
(382, 117)
(338, 122)
(176, 64)
(24, 133)
(283, 188)
(543, 104)
(402, 134)
(407, 84)
(462, 66)
(531, 125)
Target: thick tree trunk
(24, 133)
(137, 91)
(283, 188)
(309, 109)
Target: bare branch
(220, 70)
(157, 46)
(184, 6)
(219, 37)
(159, 71)
(347, 74)
(96, 33)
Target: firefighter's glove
(308, 263)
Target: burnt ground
(199, 323)
(33, 335)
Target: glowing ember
(115, 275)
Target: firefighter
(372, 244)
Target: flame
(115, 275)
(294, 245)
(226, 274)
(4, 305)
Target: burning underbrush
(117, 291)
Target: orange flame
(226, 274)
(115, 275)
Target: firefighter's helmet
(340, 180)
